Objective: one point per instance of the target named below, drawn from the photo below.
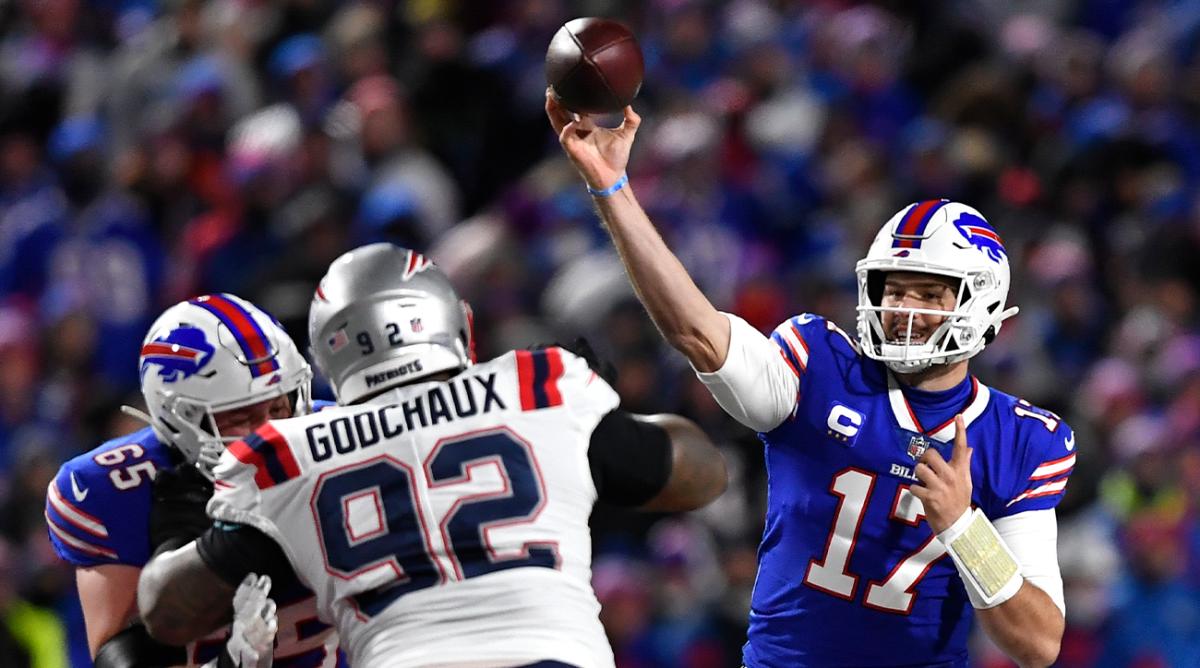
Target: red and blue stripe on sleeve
(538, 372)
(268, 452)
(792, 346)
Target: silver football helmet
(385, 316)
(210, 354)
(947, 239)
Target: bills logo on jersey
(979, 233)
(917, 445)
(180, 354)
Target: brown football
(594, 65)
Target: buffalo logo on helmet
(980, 234)
(180, 354)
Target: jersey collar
(907, 418)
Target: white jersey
(445, 522)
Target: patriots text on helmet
(391, 374)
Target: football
(594, 65)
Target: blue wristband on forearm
(611, 189)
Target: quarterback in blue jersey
(906, 499)
(212, 370)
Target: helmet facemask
(207, 432)
(956, 338)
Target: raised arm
(659, 463)
(687, 320)
(698, 473)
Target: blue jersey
(849, 574)
(98, 513)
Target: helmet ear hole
(952, 344)
(875, 281)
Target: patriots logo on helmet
(980, 234)
(416, 264)
(180, 354)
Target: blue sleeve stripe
(788, 354)
(270, 457)
(59, 535)
(63, 525)
(73, 515)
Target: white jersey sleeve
(1031, 536)
(757, 385)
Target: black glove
(582, 348)
(177, 514)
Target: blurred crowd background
(151, 150)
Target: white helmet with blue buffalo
(211, 354)
(385, 316)
(946, 239)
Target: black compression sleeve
(134, 648)
(234, 550)
(630, 459)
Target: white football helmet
(947, 239)
(385, 316)
(211, 354)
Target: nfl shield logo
(917, 446)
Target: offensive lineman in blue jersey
(905, 497)
(212, 370)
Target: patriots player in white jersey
(441, 512)
(212, 370)
(884, 455)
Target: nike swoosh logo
(79, 492)
(1070, 442)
